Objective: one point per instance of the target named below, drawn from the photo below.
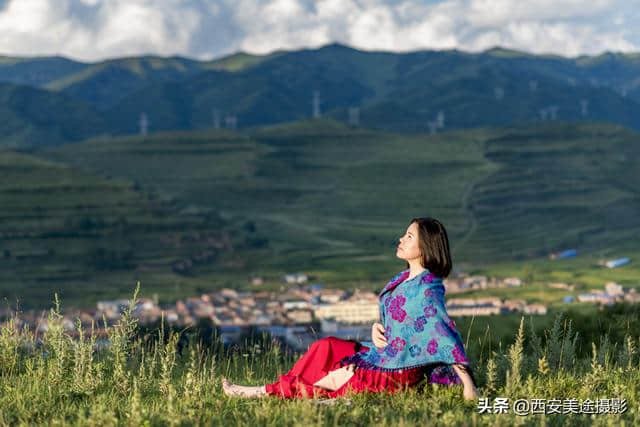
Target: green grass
(140, 380)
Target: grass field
(139, 380)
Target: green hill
(87, 237)
(189, 211)
(326, 195)
(33, 117)
(567, 185)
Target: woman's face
(409, 248)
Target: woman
(416, 338)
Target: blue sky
(91, 30)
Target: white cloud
(97, 29)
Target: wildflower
(543, 365)
(492, 374)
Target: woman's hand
(377, 335)
(469, 391)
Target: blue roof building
(568, 253)
(617, 262)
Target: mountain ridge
(429, 90)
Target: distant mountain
(482, 90)
(37, 71)
(275, 91)
(105, 83)
(399, 92)
(30, 116)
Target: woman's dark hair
(434, 246)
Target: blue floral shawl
(418, 330)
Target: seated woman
(416, 339)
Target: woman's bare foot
(244, 391)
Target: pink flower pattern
(421, 328)
(395, 308)
(432, 347)
(458, 355)
(398, 343)
(430, 311)
(428, 278)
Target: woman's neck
(415, 268)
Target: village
(302, 311)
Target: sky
(93, 30)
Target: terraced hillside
(89, 237)
(318, 196)
(321, 195)
(556, 187)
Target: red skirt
(325, 354)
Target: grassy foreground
(55, 380)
